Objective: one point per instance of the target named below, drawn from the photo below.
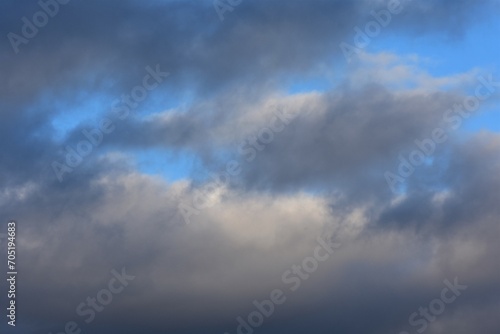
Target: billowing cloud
(286, 199)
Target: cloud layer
(307, 163)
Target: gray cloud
(322, 175)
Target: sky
(250, 166)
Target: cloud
(312, 165)
(245, 243)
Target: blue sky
(441, 54)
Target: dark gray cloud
(243, 245)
